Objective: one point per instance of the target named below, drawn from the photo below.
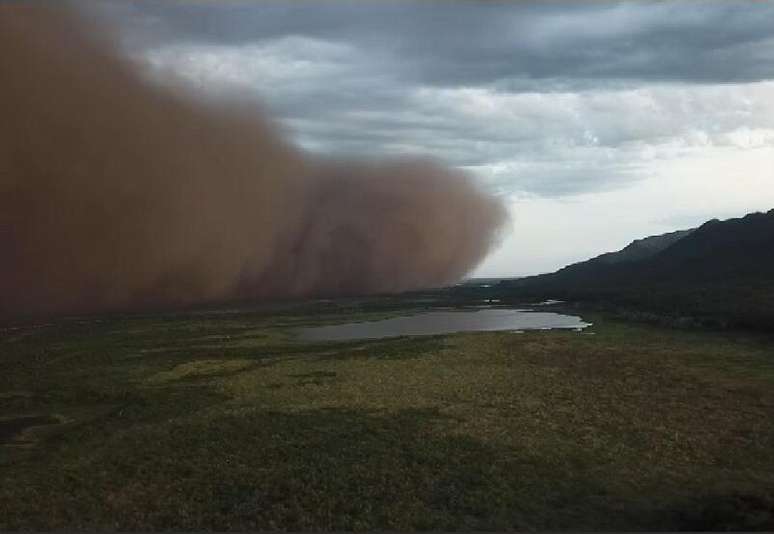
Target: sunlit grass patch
(200, 369)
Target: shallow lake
(444, 322)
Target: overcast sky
(598, 122)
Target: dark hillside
(723, 270)
(642, 249)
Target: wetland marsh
(226, 420)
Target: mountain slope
(721, 269)
(610, 262)
(641, 249)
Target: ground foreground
(222, 420)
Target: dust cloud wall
(116, 194)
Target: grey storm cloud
(543, 98)
(474, 42)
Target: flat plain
(223, 419)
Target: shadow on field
(734, 512)
(336, 469)
(12, 428)
(348, 470)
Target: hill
(722, 271)
(642, 249)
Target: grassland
(223, 420)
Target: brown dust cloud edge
(116, 194)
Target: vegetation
(223, 420)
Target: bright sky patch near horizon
(600, 122)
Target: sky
(597, 122)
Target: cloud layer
(537, 98)
(554, 105)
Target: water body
(444, 322)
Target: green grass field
(224, 421)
